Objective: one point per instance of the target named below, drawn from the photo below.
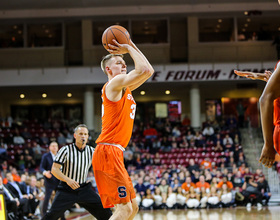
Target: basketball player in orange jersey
(118, 112)
(270, 113)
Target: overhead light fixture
(167, 92)
(142, 92)
(44, 95)
(22, 96)
(69, 94)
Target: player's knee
(127, 210)
(135, 208)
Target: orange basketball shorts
(276, 138)
(113, 182)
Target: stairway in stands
(252, 142)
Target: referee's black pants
(65, 198)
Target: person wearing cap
(264, 188)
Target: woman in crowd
(180, 198)
(148, 200)
(226, 196)
(158, 199)
(171, 199)
(203, 197)
(213, 198)
(192, 198)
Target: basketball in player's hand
(116, 32)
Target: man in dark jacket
(50, 181)
(263, 187)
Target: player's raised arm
(143, 69)
(270, 93)
(260, 76)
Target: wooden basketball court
(238, 213)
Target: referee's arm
(59, 175)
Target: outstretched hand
(118, 48)
(249, 75)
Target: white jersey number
(132, 114)
(133, 108)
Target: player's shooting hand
(267, 74)
(73, 184)
(118, 48)
(249, 75)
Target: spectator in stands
(192, 166)
(214, 182)
(148, 200)
(189, 136)
(226, 196)
(264, 188)
(176, 132)
(213, 198)
(13, 204)
(181, 177)
(184, 142)
(209, 132)
(206, 163)
(241, 159)
(61, 140)
(247, 172)
(158, 199)
(16, 191)
(26, 134)
(140, 187)
(30, 164)
(175, 184)
(225, 181)
(187, 184)
(152, 185)
(195, 177)
(250, 190)
(52, 137)
(180, 198)
(171, 198)
(37, 195)
(165, 144)
(18, 139)
(147, 160)
(203, 196)
(208, 176)
(21, 163)
(192, 198)
(218, 138)
(150, 132)
(236, 139)
(163, 186)
(14, 174)
(218, 147)
(227, 140)
(202, 183)
(44, 139)
(199, 141)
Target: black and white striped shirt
(75, 162)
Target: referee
(71, 166)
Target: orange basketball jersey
(117, 119)
(276, 105)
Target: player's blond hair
(105, 60)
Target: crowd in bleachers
(170, 164)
